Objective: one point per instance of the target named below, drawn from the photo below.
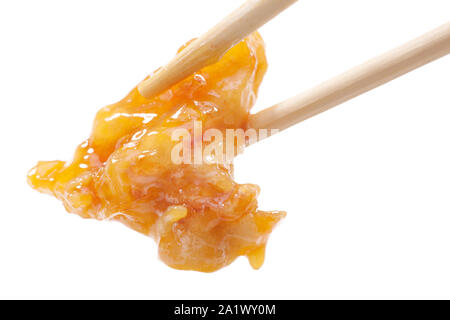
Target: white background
(366, 185)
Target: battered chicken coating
(200, 218)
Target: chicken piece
(200, 218)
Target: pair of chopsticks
(254, 13)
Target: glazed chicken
(198, 215)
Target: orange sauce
(200, 218)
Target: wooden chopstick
(212, 45)
(386, 67)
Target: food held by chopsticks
(200, 218)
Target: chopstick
(212, 45)
(367, 76)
